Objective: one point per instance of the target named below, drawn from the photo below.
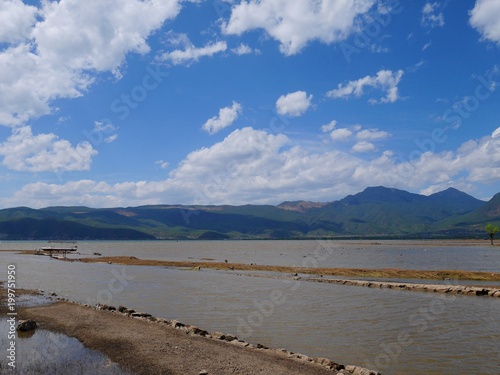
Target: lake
(395, 332)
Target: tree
(491, 229)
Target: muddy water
(396, 332)
(429, 255)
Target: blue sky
(126, 102)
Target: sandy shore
(146, 345)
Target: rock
(139, 314)
(203, 372)
(26, 325)
(122, 309)
(355, 370)
(218, 336)
(176, 324)
(196, 331)
(229, 337)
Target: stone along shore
(144, 344)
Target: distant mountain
(300, 206)
(374, 212)
(380, 195)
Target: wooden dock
(51, 250)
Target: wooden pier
(51, 250)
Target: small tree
(491, 229)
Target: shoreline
(144, 344)
(390, 273)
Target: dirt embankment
(146, 345)
(346, 272)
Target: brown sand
(346, 272)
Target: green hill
(374, 212)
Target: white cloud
(111, 138)
(341, 134)
(101, 129)
(427, 45)
(16, 20)
(384, 80)
(23, 151)
(485, 17)
(162, 164)
(329, 127)
(227, 116)
(363, 146)
(189, 52)
(252, 166)
(244, 49)
(55, 57)
(295, 24)
(432, 16)
(496, 133)
(97, 34)
(372, 134)
(293, 104)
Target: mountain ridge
(375, 212)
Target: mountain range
(376, 212)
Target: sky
(107, 103)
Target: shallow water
(396, 332)
(310, 253)
(45, 352)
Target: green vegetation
(377, 212)
(491, 229)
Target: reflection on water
(397, 332)
(48, 353)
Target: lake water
(46, 352)
(396, 332)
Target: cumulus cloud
(227, 116)
(384, 80)
(432, 15)
(54, 55)
(372, 134)
(485, 18)
(363, 146)
(341, 134)
(190, 53)
(252, 166)
(295, 24)
(16, 20)
(293, 104)
(24, 151)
